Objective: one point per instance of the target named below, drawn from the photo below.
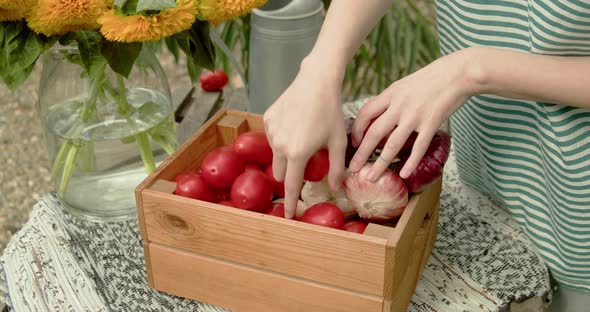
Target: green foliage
(88, 42)
(198, 48)
(236, 35)
(20, 48)
(95, 50)
(155, 5)
(131, 7)
(126, 7)
(119, 3)
(173, 47)
(120, 56)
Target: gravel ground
(24, 168)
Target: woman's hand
(420, 102)
(305, 118)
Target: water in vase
(108, 165)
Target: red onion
(432, 164)
(381, 200)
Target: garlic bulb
(316, 192)
(339, 199)
(320, 192)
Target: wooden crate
(248, 261)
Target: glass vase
(105, 133)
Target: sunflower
(57, 17)
(13, 10)
(218, 11)
(135, 28)
(12, 4)
(10, 15)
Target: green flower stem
(86, 157)
(124, 107)
(68, 167)
(168, 148)
(90, 104)
(68, 151)
(60, 157)
(164, 142)
(145, 150)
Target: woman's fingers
(279, 165)
(418, 150)
(392, 147)
(381, 127)
(373, 108)
(293, 184)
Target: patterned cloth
(56, 262)
(533, 157)
(482, 261)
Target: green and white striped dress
(532, 157)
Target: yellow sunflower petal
(10, 15)
(56, 17)
(11, 4)
(135, 28)
(218, 11)
(13, 10)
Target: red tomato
(254, 148)
(317, 166)
(213, 81)
(226, 203)
(355, 226)
(252, 190)
(182, 175)
(278, 187)
(221, 167)
(277, 210)
(223, 195)
(194, 186)
(250, 167)
(324, 214)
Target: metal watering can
(282, 33)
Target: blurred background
(403, 41)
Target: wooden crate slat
(242, 288)
(405, 286)
(405, 232)
(229, 127)
(325, 255)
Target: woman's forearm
(347, 24)
(520, 75)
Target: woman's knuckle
(295, 154)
